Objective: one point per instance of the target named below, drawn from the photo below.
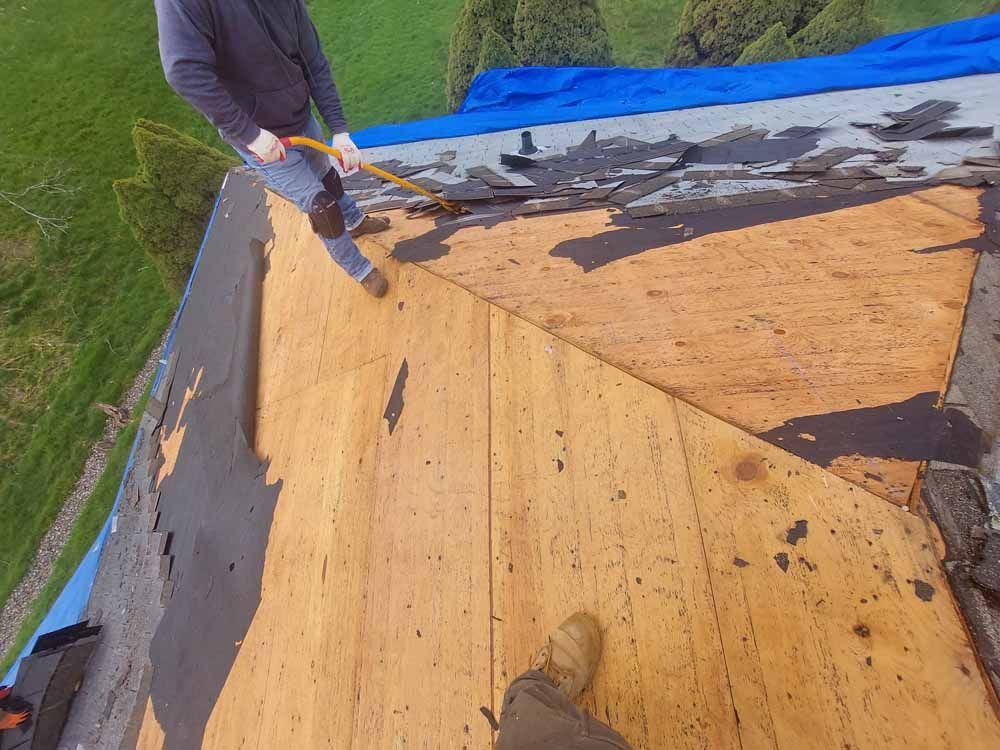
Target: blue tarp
(69, 607)
(520, 97)
(511, 98)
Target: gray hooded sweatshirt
(247, 65)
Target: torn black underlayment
(912, 430)
(989, 215)
(215, 501)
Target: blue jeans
(299, 179)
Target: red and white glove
(266, 147)
(350, 160)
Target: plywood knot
(557, 319)
(750, 467)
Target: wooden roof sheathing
(749, 597)
(759, 315)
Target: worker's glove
(350, 160)
(9, 720)
(266, 147)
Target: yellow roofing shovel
(452, 206)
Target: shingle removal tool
(450, 206)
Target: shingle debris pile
(743, 166)
(925, 120)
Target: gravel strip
(21, 600)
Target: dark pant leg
(536, 716)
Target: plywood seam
(960, 329)
(927, 519)
(708, 567)
(362, 616)
(269, 403)
(918, 195)
(267, 687)
(636, 376)
(326, 330)
(489, 508)
(949, 368)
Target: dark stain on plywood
(911, 430)
(989, 215)
(798, 532)
(923, 590)
(394, 409)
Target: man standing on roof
(251, 67)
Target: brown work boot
(571, 653)
(375, 283)
(371, 225)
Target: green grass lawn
(85, 530)
(389, 56)
(903, 15)
(642, 30)
(80, 312)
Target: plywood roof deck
(761, 324)
(409, 576)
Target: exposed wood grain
(302, 652)
(526, 468)
(425, 669)
(592, 510)
(373, 627)
(150, 733)
(311, 309)
(757, 325)
(828, 640)
(409, 652)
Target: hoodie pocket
(283, 110)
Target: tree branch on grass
(48, 186)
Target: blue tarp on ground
(521, 97)
(69, 607)
(71, 604)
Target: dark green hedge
(508, 33)
(477, 17)
(772, 46)
(561, 32)
(715, 32)
(495, 52)
(839, 27)
(168, 202)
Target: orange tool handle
(297, 140)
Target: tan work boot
(571, 654)
(371, 225)
(375, 283)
